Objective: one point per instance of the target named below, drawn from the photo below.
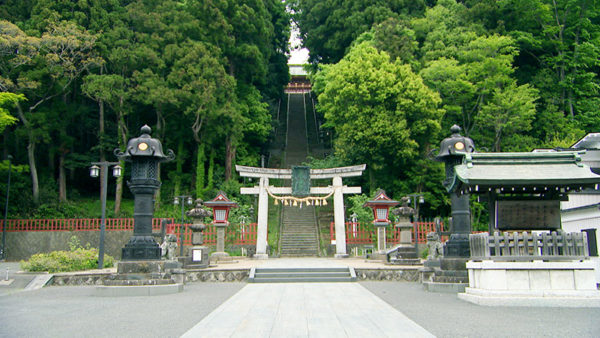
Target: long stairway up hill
(299, 232)
(296, 149)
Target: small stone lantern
(404, 213)
(199, 253)
(145, 153)
(221, 206)
(381, 205)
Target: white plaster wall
(588, 218)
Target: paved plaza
(364, 309)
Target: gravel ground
(76, 312)
(444, 315)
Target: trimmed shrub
(76, 259)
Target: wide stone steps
(301, 275)
(299, 236)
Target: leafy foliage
(201, 73)
(76, 259)
(381, 111)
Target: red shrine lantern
(381, 205)
(221, 206)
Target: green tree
(382, 113)
(510, 112)
(47, 68)
(474, 75)
(328, 27)
(8, 100)
(564, 36)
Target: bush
(76, 259)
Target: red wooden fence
(357, 233)
(236, 234)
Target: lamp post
(95, 172)
(354, 221)
(4, 225)
(183, 199)
(381, 205)
(421, 199)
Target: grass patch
(273, 226)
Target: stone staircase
(299, 235)
(301, 275)
(296, 148)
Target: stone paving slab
(308, 262)
(306, 310)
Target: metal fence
(529, 246)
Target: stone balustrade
(528, 246)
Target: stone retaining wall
(78, 279)
(217, 276)
(398, 275)
(195, 276)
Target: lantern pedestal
(457, 245)
(141, 245)
(197, 259)
(198, 254)
(405, 252)
(381, 244)
(220, 254)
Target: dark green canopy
(523, 172)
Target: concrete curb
(136, 291)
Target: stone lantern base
(141, 248)
(197, 258)
(220, 256)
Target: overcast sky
(298, 55)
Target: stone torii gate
(337, 189)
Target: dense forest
(78, 78)
(392, 77)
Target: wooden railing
(526, 247)
(235, 234)
(73, 224)
(360, 233)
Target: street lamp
(4, 225)
(185, 199)
(95, 172)
(421, 199)
(414, 198)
